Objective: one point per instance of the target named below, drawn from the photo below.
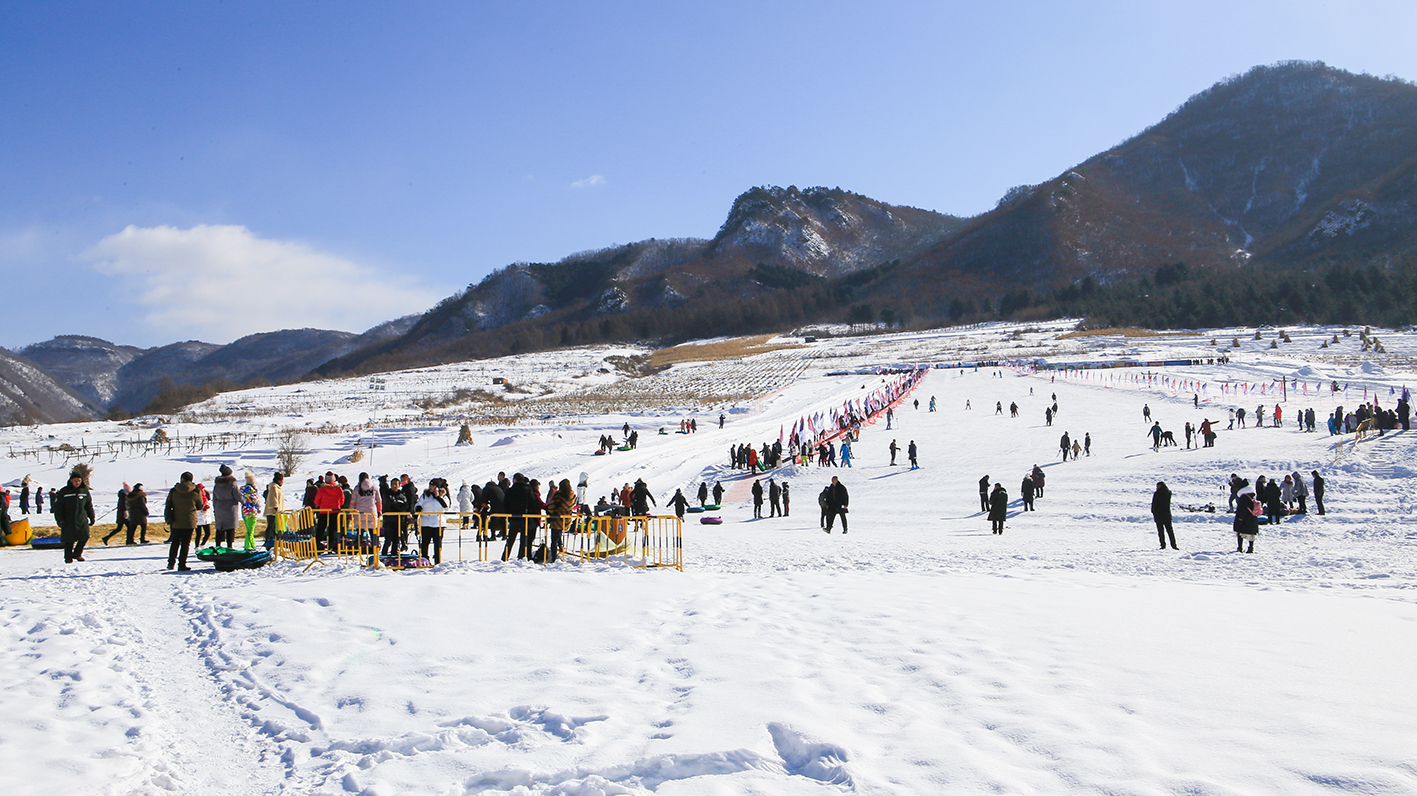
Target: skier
(910, 452)
(1066, 444)
(845, 453)
(894, 448)
(1161, 513)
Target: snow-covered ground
(918, 654)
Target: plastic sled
(20, 532)
(226, 559)
(47, 543)
(711, 520)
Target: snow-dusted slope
(917, 654)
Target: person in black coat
(998, 508)
(491, 504)
(121, 517)
(984, 493)
(837, 502)
(703, 493)
(1273, 500)
(516, 502)
(1026, 492)
(717, 494)
(758, 499)
(774, 499)
(1038, 477)
(394, 505)
(1318, 491)
(1247, 521)
(1161, 513)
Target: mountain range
(1292, 169)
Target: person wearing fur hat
(226, 501)
(73, 511)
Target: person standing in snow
(894, 448)
(910, 453)
(1087, 444)
(275, 506)
(1146, 412)
(845, 453)
(560, 511)
(1301, 492)
(984, 493)
(367, 505)
(226, 505)
(73, 513)
(250, 509)
(137, 514)
(717, 493)
(1066, 444)
(703, 493)
(1038, 478)
(1026, 492)
(774, 499)
(837, 502)
(329, 500)
(1155, 433)
(998, 508)
(1247, 522)
(1161, 513)
(430, 510)
(180, 514)
(786, 499)
(720, 420)
(204, 516)
(1318, 492)
(25, 496)
(1272, 499)
(758, 499)
(1286, 493)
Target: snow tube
(712, 507)
(711, 520)
(20, 532)
(623, 448)
(600, 453)
(226, 559)
(695, 509)
(405, 562)
(47, 543)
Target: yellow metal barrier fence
(358, 538)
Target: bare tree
(291, 450)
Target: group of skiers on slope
(911, 453)
(996, 502)
(1377, 418)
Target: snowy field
(917, 654)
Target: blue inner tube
(46, 543)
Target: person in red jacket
(329, 499)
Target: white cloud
(589, 182)
(218, 283)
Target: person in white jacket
(465, 502)
(430, 520)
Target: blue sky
(204, 170)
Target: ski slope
(917, 654)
